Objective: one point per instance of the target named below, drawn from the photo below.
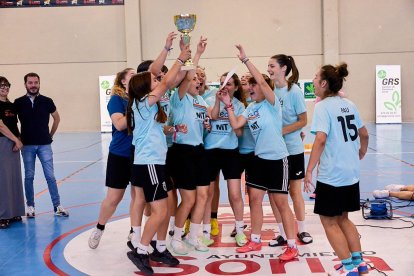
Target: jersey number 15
(348, 127)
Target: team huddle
(182, 134)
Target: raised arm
(156, 66)
(169, 78)
(264, 87)
(201, 47)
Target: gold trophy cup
(185, 23)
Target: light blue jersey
(148, 137)
(340, 120)
(293, 104)
(265, 122)
(165, 105)
(222, 135)
(190, 111)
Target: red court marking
(47, 254)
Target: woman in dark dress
(11, 187)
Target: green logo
(309, 90)
(395, 103)
(381, 74)
(105, 84)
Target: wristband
(180, 61)
(167, 49)
(229, 106)
(246, 59)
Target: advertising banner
(388, 94)
(56, 3)
(105, 85)
(308, 89)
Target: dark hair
(31, 75)
(138, 89)
(238, 94)
(3, 80)
(119, 88)
(145, 65)
(334, 76)
(289, 62)
(252, 80)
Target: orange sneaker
(250, 246)
(289, 254)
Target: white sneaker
(95, 238)
(61, 212)
(381, 193)
(197, 244)
(179, 247)
(30, 212)
(394, 187)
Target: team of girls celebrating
(182, 134)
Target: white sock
(291, 243)
(301, 226)
(161, 246)
(255, 238)
(281, 230)
(207, 230)
(178, 232)
(136, 235)
(239, 226)
(172, 222)
(142, 249)
(194, 228)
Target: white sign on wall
(388, 94)
(105, 85)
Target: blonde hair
(119, 89)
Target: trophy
(185, 24)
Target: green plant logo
(381, 74)
(309, 90)
(395, 103)
(105, 84)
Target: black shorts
(296, 166)
(246, 164)
(269, 175)
(151, 178)
(228, 161)
(332, 201)
(118, 171)
(169, 168)
(190, 166)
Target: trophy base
(186, 67)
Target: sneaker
(249, 246)
(30, 212)
(153, 244)
(171, 233)
(61, 212)
(206, 241)
(178, 247)
(241, 239)
(343, 272)
(197, 244)
(305, 237)
(141, 261)
(289, 254)
(394, 187)
(95, 238)
(214, 227)
(363, 268)
(278, 241)
(234, 232)
(130, 245)
(164, 257)
(381, 193)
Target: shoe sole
(131, 256)
(276, 245)
(27, 216)
(159, 260)
(60, 215)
